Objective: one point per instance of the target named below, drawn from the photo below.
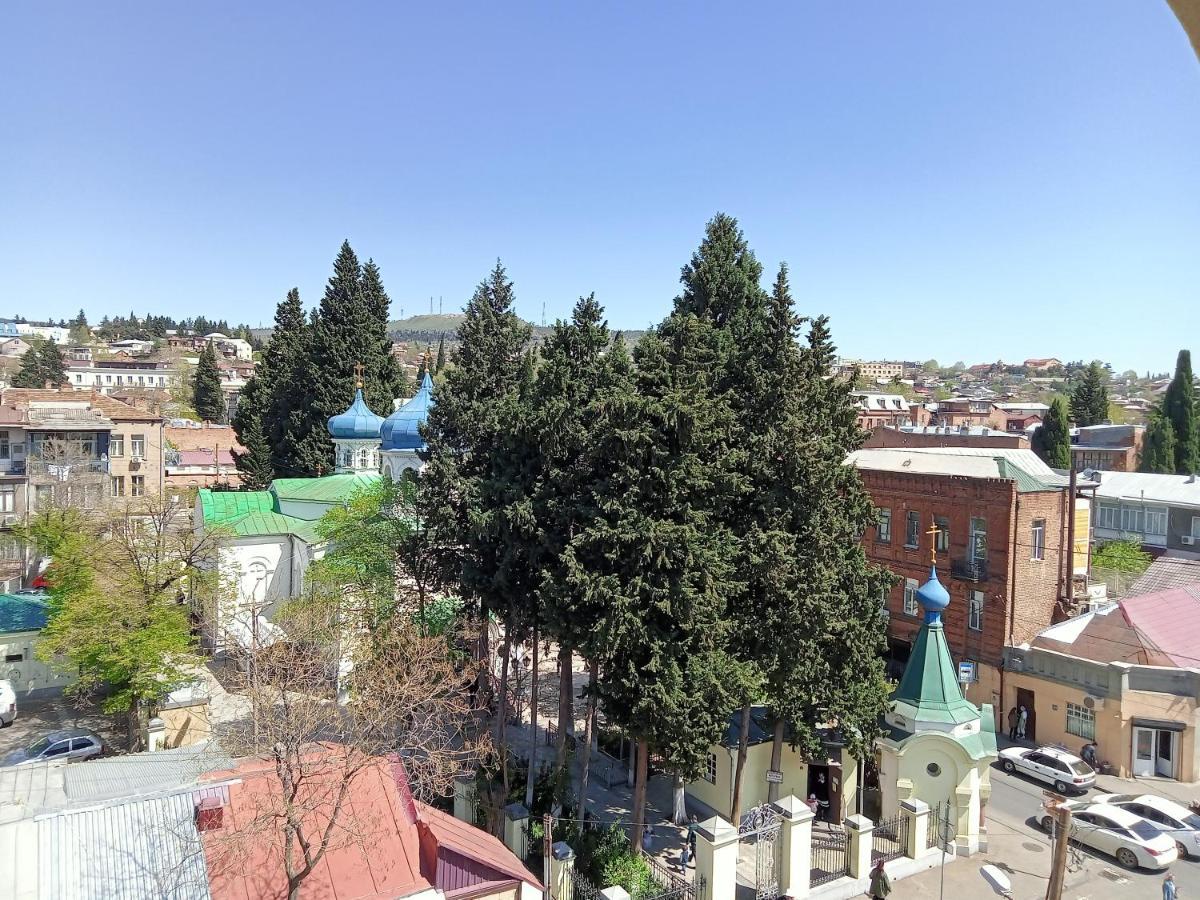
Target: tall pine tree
(1179, 406)
(31, 374)
(1052, 439)
(284, 399)
(1158, 446)
(207, 398)
(441, 355)
(1089, 399)
(54, 367)
(384, 379)
(254, 463)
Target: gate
(829, 858)
(761, 829)
(667, 885)
(889, 839)
(941, 832)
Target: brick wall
(1038, 583)
(891, 437)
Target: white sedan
(1177, 822)
(1051, 765)
(1118, 832)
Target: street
(1020, 849)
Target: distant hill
(426, 324)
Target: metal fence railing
(829, 860)
(889, 838)
(671, 886)
(940, 831)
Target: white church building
(271, 534)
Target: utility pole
(1058, 866)
(1071, 542)
(547, 842)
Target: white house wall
(28, 674)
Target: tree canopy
(1052, 439)
(1089, 398)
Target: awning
(1160, 724)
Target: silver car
(68, 743)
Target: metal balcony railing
(65, 469)
(968, 569)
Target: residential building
(833, 779)
(1108, 448)
(13, 346)
(945, 436)
(1001, 518)
(887, 370)
(1043, 364)
(963, 411)
(1126, 677)
(22, 619)
(56, 333)
(109, 375)
(200, 455)
(132, 346)
(230, 348)
(1162, 511)
(888, 409)
(1017, 418)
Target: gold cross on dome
(358, 374)
(933, 533)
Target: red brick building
(963, 411)
(888, 409)
(1109, 448)
(945, 436)
(1002, 520)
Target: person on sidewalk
(691, 834)
(647, 836)
(685, 857)
(1012, 724)
(881, 885)
(1022, 719)
(1169, 892)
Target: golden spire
(358, 375)
(933, 533)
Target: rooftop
(1007, 464)
(1172, 490)
(22, 613)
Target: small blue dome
(357, 423)
(933, 597)
(401, 430)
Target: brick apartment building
(1002, 520)
(1109, 448)
(963, 411)
(945, 436)
(888, 409)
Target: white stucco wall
(28, 674)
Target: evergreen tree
(80, 333)
(1052, 439)
(422, 367)
(207, 398)
(1089, 399)
(284, 358)
(32, 373)
(441, 355)
(54, 367)
(384, 379)
(1179, 406)
(1158, 446)
(255, 463)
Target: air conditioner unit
(1187, 540)
(135, 459)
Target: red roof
(1169, 621)
(204, 457)
(473, 844)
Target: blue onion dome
(401, 430)
(933, 596)
(356, 423)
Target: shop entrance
(1155, 751)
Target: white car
(8, 704)
(1118, 832)
(1175, 821)
(1051, 765)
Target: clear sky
(963, 181)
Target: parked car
(1175, 821)
(1051, 765)
(1118, 832)
(8, 704)
(69, 743)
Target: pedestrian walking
(880, 885)
(1169, 890)
(691, 834)
(685, 857)
(647, 837)
(1012, 724)
(1022, 719)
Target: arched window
(364, 458)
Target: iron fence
(939, 831)
(671, 885)
(582, 889)
(829, 858)
(889, 838)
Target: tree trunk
(566, 704)
(735, 805)
(483, 683)
(678, 802)
(502, 706)
(776, 760)
(589, 730)
(631, 769)
(135, 725)
(533, 725)
(639, 796)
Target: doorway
(1154, 752)
(1025, 698)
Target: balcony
(966, 569)
(45, 470)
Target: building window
(883, 602)
(978, 545)
(1156, 522)
(8, 496)
(911, 607)
(116, 446)
(4, 447)
(1081, 722)
(137, 445)
(912, 529)
(710, 769)
(118, 485)
(11, 549)
(883, 531)
(1196, 527)
(137, 485)
(1037, 540)
(975, 611)
(943, 534)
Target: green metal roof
(328, 489)
(22, 613)
(251, 514)
(978, 744)
(930, 682)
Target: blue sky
(955, 180)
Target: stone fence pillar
(562, 871)
(717, 858)
(516, 822)
(916, 813)
(796, 848)
(464, 798)
(860, 832)
(616, 892)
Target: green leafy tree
(54, 366)
(1089, 398)
(1052, 439)
(254, 463)
(1158, 446)
(1179, 407)
(1122, 556)
(207, 396)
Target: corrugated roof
(143, 773)
(1168, 621)
(1007, 463)
(474, 844)
(1165, 573)
(109, 406)
(328, 489)
(251, 514)
(22, 613)
(1173, 490)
